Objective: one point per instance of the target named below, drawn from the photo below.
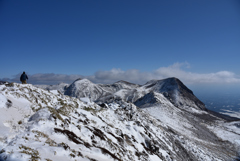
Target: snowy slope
(40, 125)
(194, 124)
(175, 91)
(119, 85)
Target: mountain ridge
(135, 92)
(171, 88)
(44, 124)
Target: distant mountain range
(172, 89)
(143, 96)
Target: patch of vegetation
(26, 138)
(55, 113)
(71, 136)
(64, 110)
(93, 121)
(9, 84)
(76, 153)
(40, 134)
(51, 142)
(91, 159)
(2, 151)
(37, 109)
(89, 109)
(48, 159)
(64, 145)
(105, 151)
(48, 141)
(29, 151)
(79, 127)
(43, 101)
(20, 122)
(61, 102)
(72, 155)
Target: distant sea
(224, 100)
(221, 102)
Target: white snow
(3, 101)
(171, 117)
(54, 91)
(49, 125)
(86, 100)
(228, 131)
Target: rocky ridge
(47, 125)
(105, 122)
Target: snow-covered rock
(85, 88)
(43, 125)
(175, 91)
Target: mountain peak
(163, 85)
(123, 81)
(177, 83)
(173, 89)
(80, 80)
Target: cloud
(46, 78)
(178, 70)
(134, 76)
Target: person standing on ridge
(24, 78)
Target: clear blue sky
(83, 37)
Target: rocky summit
(160, 120)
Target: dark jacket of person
(23, 77)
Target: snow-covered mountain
(175, 91)
(172, 88)
(37, 124)
(99, 92)
(85, 88)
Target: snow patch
(3, 101)
(42, 114)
